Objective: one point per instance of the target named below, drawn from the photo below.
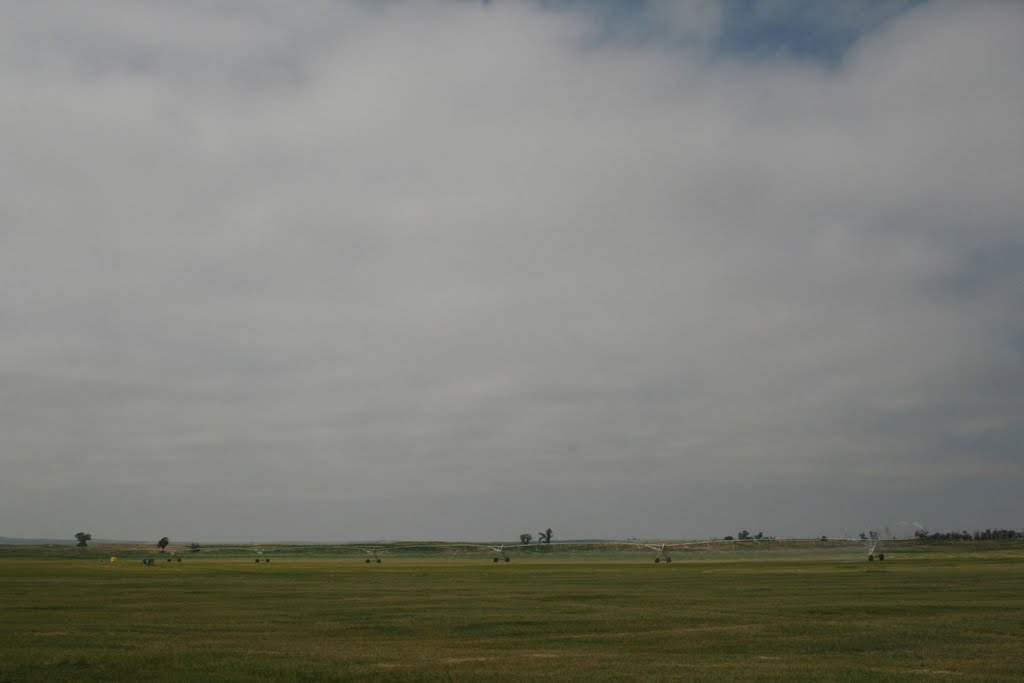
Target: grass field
(929, 614)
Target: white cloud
(414, 252)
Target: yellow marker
(113, 559)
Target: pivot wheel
(881, 556)
(871, 558)
(367, 560)
(508, 559)
(657, 560)
(495, 559)
(669, 560)
(378, 560)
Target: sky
(460, 270)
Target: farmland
(323, 614)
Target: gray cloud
(451, 270)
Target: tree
(545, 536)
(195, 548)
(525, 538)
(728, 538)
(162, 543)
(759, 535)
(863, 536)
(83, 539)
(743, 535)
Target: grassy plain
(953, 613)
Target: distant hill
(7, 540)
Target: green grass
(777, 615)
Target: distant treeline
(986, 535)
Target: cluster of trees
(986, 535)
(745, 535)
(545, 537)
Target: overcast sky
(343, 270)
